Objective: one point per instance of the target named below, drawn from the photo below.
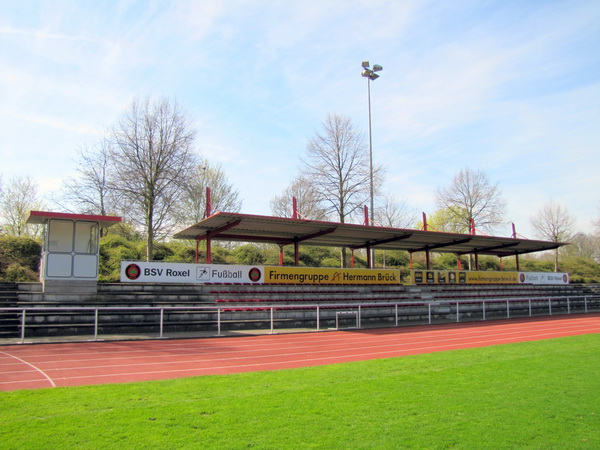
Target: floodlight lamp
(373, 76)
(367, 73)
(365, 64)
(377, 68)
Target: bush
(113, 250)
(19, 252)
(16, 272)
(248, 254)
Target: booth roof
(42, 217)
(285, 231)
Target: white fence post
(162, 322)
(96, 324)
(219, 322)
(23, 326)
(318, 318)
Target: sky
(508, 87)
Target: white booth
(70, 250)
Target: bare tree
(394, 213)
(337, 164)
(471, 197)
(19, 197)
(308, 200)
(223, 196)
(151, 155)
(554, 223)
(90, 192)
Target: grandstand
(146, 306)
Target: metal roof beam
(532, 250)
(274, 239)
(314, 235)
(217, 231)
(489, 249)
(255, 238)
(442, 245)
(382, 241)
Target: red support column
(294, 208)
(281, 254)
(514, 235)
(427, 261)
(352, 258)
(296, 254)
(458, 263)
(197, 250)
(366, 211)
(369, 261)
(208, 203)
(410, 260)
(208, 249)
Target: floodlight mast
(370, 75)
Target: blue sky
(509, 87)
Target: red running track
(76, 364)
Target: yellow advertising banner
(463, 277)
(307, 275)
(493, 277)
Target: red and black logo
(133, 271)
(254, 274)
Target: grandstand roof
(42, 217)
(285, 231)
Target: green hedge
(19, 258)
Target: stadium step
(9, 298)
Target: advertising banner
(162, 272)
(487, 277)
(492, 277)
(543, 278)
(307, 275)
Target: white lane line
(377, 341)
(291, 354)
(32, 366)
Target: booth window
(60, 236)
(86, 237)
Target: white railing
(354, 313)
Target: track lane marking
(32, 366)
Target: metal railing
(342, 315)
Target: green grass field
(531, 395)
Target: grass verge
(542, 394)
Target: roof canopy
(284, 231)
(42, 217)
